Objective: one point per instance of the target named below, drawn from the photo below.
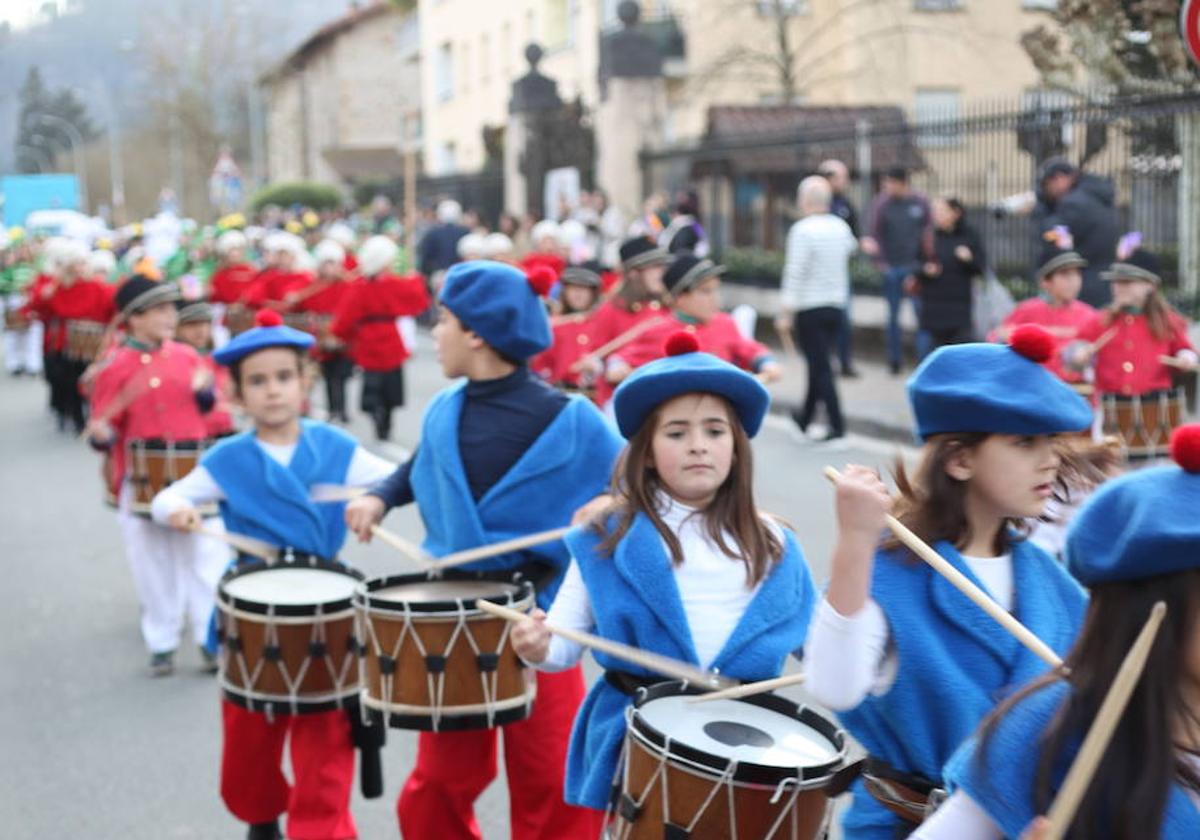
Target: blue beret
(1140, 525)
(497, 302)
(684, 373)
(994, 388)
(270, 333)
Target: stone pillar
(1188, 124)
(533, 97)
(632, 112)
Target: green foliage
(304, 193)
(758, 267)
(40, 131)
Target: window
(786, 8)
(937, 113)
(443, 72)
(485, 59)
(447, 158)
(937, 5)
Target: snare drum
(287, 635)
(302, 321)
(238, 318)
(84, 340)
(747, 769)
(15, 320)
(433, 661)
(1143, 423)
(151, 465)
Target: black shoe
(849, 373)
(208, 661)
(162, 664)
(895, 368)
(831, 438)
(264, 831)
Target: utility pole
(77, 144)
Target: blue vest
(568, 465)
(955, 663)
(635, 600)
(1003, 782)
(266, 500)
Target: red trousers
(252, 781)
(453, 768)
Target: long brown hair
(1160, 317)
(933, 504)
(636, 486)
(1127, 799)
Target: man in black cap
(1084, 204)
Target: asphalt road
(94, 747)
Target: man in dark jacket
(1084, 205)
(439, 247)
(838, 176)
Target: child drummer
(195, 328)
(502, 454)
(153, 388)
(579, 293)
(262, 479)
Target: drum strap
(909, 796)
(627, 683)
(377, 319)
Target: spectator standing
(946, 281)
(439, 247)
(900, 241)
(1084, 204)
(816, 279)
(684, 235)
(838, 176)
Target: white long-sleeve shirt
(816, 269)
(711, 585)
(199, 487)
(848, 657)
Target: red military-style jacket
(366, 318)
(611, 319)
(571, 342)
(230, 282)
(719, 336)
(54, 303)
(1128, 363)
(1063, 322)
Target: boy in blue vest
(261, 478)
(501, 455)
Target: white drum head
(739, 731)
(426, 591)
(291, 587)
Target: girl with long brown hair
(907, 661)
(683, 564)
(1134, 544)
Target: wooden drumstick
(789, 343)
(617, 343)
(470, 555)
(964, 585)
(656, 662)
(1177, 363)
(244, 544)
(1062, 811)
(410, 550)
(1096, 345)
(749, 689)
(321, 493)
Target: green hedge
(756, 267)
(305, 193)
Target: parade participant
(694, 287)
(230, 282)
(501, 455)
(322, 299)
(638, 298)
(22, 335)
(470, 247)
(579, 293)
(547, 250)
(262, 479)
(366, 320)
(1059, 311)
(497, 246)
(1132, 545)
(71, 296)
(684, 565)
(344, 235)
(153, 388)
(891, 636)
(278, 285)
(102, 266)
(194, 327)
(1144, 328)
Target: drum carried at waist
(14, 319)
(751, 769)
(151, 465)
(1143, 423)
(287, 636)
(238, 318)
(85, 340)
(433, 661)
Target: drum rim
(747, 771)
(363, 594)
(163, 445)
(290, 560)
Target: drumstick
(749, 689)
(470, 555)
(1062, 811)
(656, 662)
(244, 544)
(789, 343)
(1178, 364)
(618, 342)
(1095, 346)
(412, 551)
(964, 585)
(319, 493)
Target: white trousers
(22, 348)
(175, 575)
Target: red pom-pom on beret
(268, 318)
(1032, 342)
(680, 343)
(541, 278)
(1185, 447)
